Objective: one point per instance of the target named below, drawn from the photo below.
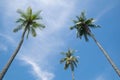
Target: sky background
(39, 57)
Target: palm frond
(81, 32)
(23, 15)
(82, 16)
(89, 21)
(28, 31)
(72, 51)
(62, 60)
(78, 23)
(20, 20)
(66, 66)
(72, 66)
(41, 26)
(75, 21)
(75, 63)
(86, 37)
(35, 24)
(72, 27)
(38, 25)
(17, 28)
(29, 12)
(76, 60)
(33, 32)
(36, 16)
(94, 26)
(63, 53)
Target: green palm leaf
(85, 36)
(23, 15)
(69, 59)
(72, 66)
(28, 31)
(66, 66)
(62, 60)
(82, 16)
(75, 63)
(36, 16)
(29, 12)
(33, 32)
(20, 20)
(17, 28)
(94, 26)
(83, 25)
(63, 53)
(29, 19)
(89, 21)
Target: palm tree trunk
(2, 74)
(106, 55)
(73, 75)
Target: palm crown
(69, 60)
(83, 25)
(28, 20)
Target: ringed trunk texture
(106, 55)
(2, 74)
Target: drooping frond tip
(66, 66)
(62, 60)
(63, 53)
(17, 28)
(72, 27)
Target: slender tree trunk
(2, 74)
(73, 78)
(106, 55)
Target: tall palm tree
(28, 22)
(69, 60)
(83, 25)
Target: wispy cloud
(105, 11)
(36, 70)
(6, 38)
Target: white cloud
(37, 71)
(105, 11)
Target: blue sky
(39, 57)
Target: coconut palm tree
(83, 25)
(69, 60)
(28, 22)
